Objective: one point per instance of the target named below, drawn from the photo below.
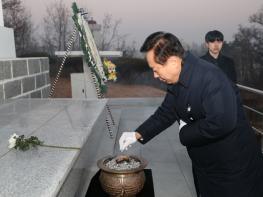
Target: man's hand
(126, 140)
(181, 124)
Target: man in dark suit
(214, 42)
(213, 126)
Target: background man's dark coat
(225, 63)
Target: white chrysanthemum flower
(12, 140)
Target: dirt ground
(115, 90)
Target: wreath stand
(92, 65)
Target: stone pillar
(7, 47)
(1, 15)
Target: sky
(189, 20)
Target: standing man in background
(214, 42)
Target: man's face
(167, 73)
(215, 47)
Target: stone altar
(44, 171)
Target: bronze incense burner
(118, 180)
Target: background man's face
(214, 47)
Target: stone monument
(7, 47)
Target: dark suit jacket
(218, 137)
(226, 64)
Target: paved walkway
(168, 159)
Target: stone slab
(42, 171)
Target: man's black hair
(164, 45)
(214, 35)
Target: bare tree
(129, 50)
(18, 18)
(257, 20)
(257, 17)
(57, 27)
(247, 49)
(110, 36)
(111, 39)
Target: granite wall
(24, 78)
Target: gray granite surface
(42, 171)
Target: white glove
(127, 139)
(181, 124)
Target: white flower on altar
(12, 140)
(22, 143)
